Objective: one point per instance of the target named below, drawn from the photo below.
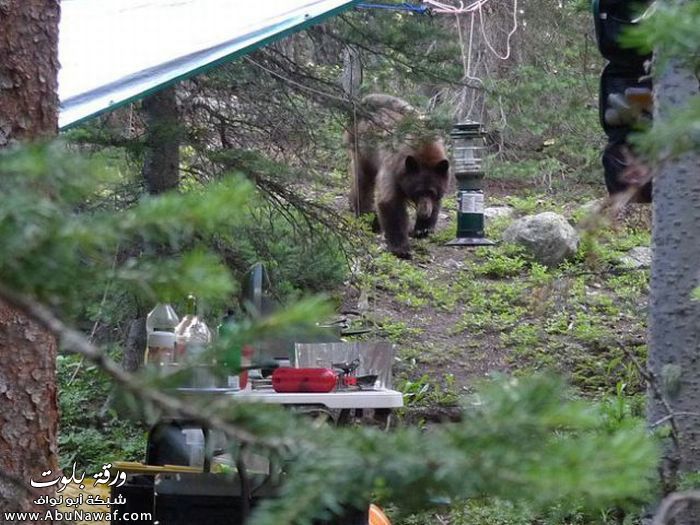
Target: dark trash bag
(611, 18)
(616, 79)
(614, 165)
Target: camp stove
(339, 377)
(348, 378)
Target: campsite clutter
(188, 471)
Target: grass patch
(87, 437)
(425, 391)
(398, 331)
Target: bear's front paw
(402, 252)
(421, 233)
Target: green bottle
(232, 356)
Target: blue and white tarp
(116, 51)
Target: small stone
(638, 257)
(363, 302)
(547, 236)
(496, 212)
(453, 264)
(6, 82)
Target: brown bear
(392, 165)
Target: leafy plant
(424, 391)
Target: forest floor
(458, 315)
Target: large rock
(547, 236)
(639, 257)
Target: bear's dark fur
(389, 171)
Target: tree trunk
(351, 75)
(133, 356)
(162, 161)
(28, 69)
(674, 344)
(28, 400)
(135, 346)
(161, 171)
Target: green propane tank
(470, 216)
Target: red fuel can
(317, 380)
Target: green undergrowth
(426, 391)
(408, 284)
(398, 331)
(498, 512)
(88, 437)
(617, 410)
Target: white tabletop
(382, 398)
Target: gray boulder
(639, 257)
(547, 236)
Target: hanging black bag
(612, 18)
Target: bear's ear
(411, 164)
(442, 167)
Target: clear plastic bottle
(160, 350)
(191, 332)
(162, 319)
